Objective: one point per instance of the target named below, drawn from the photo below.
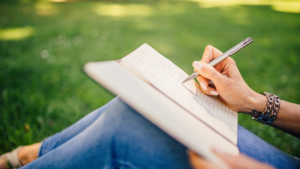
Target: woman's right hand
(230, 86)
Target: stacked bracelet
(270, 112)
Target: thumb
(208, 72)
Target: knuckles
(212, 72)
(227, 82)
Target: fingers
(229, 159)
(200, 163)
(210, 53)
(241, 161)
(205, 86)
(208, 72)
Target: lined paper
(167, 77)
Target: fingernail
(210, 51)
(214, 93)
(197, 65)
(203, 86)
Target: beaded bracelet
(270, 112)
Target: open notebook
(151, 84)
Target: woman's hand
(229, 85)
(234, 162)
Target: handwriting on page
(167, 77)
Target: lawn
(44, 45)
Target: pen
(219, 59)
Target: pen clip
(241, 45)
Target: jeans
(116, 136)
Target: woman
(116, 136)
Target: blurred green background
(44, 45)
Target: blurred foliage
(44, 44)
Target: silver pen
(219, 59)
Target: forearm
(288, 118)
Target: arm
(232, 90)
(288, 118)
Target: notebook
(152, 85)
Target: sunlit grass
(59, 0)
(124, 10)
(46, 7)
(287, 6)
(16, 33)
(282, 6)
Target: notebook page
(167, 77)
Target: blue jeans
(116, 136)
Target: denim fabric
(260, 150)
(116, 136)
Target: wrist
(258, 102)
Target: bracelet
(270, 112)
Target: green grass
(41, 96)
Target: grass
(43, 46)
